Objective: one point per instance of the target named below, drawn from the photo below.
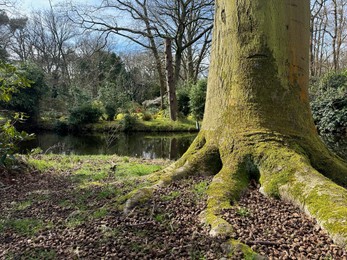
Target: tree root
(327, 163)
(284, 171)
(288, 175)
(225, 189)
(200, 159)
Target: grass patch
(154, 125)
(23, 205)
(108, 232)
(88, 174)
(171, 196)
(243, 212)
(136, 169)
(159, 218)
(200, 188)
(100, 213)
(75, 219)
(25, 226)
(108, 192)
(34, 254)
(95, 169)
(41, 165)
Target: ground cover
(69, 207)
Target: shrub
(120, 116)
(128, 122)
(28, 100)
(183, 99)
(329, 103)
(197, 96)
(146, 117)
(61, 127)
(110, 112)
(11, 82)
(10, 137)
(161, 114)
(85, 114)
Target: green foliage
(146, 117)
(25, 226)
(110, 112)
(136, 169)
(11, 81)
(85, 114)
(113, 99)
(61, 127)
(329, 103)
(10, 138)
(243, 212)
(171, 196)
(183, 99)
(200, 188)
(197, 97)
(128, 122)
(27, 100)
(100, 213)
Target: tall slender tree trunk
(171, 80)
(161, 76)
(257, 123)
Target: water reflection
(145, 145)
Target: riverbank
(132, 124)
(69, 207)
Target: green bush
(85, 114)
(128, 122)
(146, 117)
(11, 82)
(28, 100)
(61, 127)
(197, 97)
(183, 99)
(110, 112)
(329, 103)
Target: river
(138, 144)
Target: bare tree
(136, 25)
(328, 35)
(149, 22)
(48, 43)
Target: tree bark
(257, 123)
(171, 82)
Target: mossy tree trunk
(258, 123)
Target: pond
(146, 145)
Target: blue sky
(28, 5)
(24, 7)
(34, 4)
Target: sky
(34, 4)
(25, 6)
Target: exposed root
(200, 159)
(283, 170)
(289, 175)
(226, 188)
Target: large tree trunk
(258, 123)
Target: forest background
(140, 60)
